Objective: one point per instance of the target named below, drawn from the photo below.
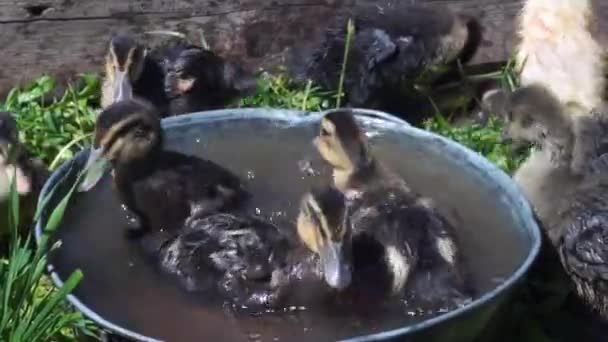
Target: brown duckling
(345, 148)
(408, 227)
(161, 187)
(131, 71)
(30, 175)
(197, 80)
(565, 180)
(391, 250)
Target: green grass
(56, 130)
(30, 308)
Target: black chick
(393, 44)
(31, 174)
(565, 180)
(161, 187)
(231, 254)
(197, 80)
(131, 71)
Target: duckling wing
(183, 186)
(584, 247)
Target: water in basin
(279, 165)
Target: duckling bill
(161, 187)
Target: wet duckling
(31, 174)
(408, 227)
(379, 249)
(197, 80)
(566, 182)
(232, 254)
(394, 43)
(131, 71)
(345, 148)
(161, 187)
(552, 35)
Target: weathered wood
(66, 37)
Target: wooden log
(67, 37)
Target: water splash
(306, 168)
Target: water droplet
(305, 167)
(254, 336)
(258, 211)
(250, 174)
(198, 140)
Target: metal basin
(272, 150)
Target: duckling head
(324, 228)
(9, 153)
(124, 65)
(9, 136)
(196, 70)
(531, 114)
(127, 132)
(341, 143)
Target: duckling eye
(139, 132)
(526, 121)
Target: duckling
(30, 173)
(552, 35)
(345, 148)
(381, 248)
(230, 253)
(394, 44)
(408, 226)
(197, 79)
(565, 181)
(162, 188)
(131, 71)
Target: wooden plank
(65, 37)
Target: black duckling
(231, 254)
(394, 44)
(409, 228)
(379, 249)
(131, 71)
(30, 172)
(197, 80)
(565, 180)
(161, 187)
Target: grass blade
(350, 31)
(51, 303)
